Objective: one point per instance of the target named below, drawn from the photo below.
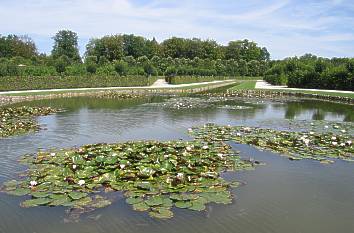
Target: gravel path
(160, 83)
(260, 84)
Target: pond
(279, 196)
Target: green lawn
(245, 85)
(97, 90)
(334, 93)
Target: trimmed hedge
(194, 79)
(200, 79)
(61, 82)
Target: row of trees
(49, 66)
(310, 71)
(118, 46)
(130, 54)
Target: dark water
(282, 196)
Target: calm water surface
(282, 196)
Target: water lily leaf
(35, 202)
(197, 205)
(141, 206)
(10, 185)
(134, 200)
(19, 192)
(183, 204)
(40, 194)
(154, 201)
(63, 201)
(77, 195)
(161, 213)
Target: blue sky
(285, 27)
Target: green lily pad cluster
(20, 120)
(181, 103)
(154, 176)
(271, 94)
(116, 95)
(235, 107)
(321, 146)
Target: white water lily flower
(238, 134)
(52, 154)
(334, 143)
(122, 166)
(81, 182)
(190, 129)
(81, 150)
(306, 141)
(312, 133)
(342, 144)
(205, 147)
(179, 175)
(349, 142)
(334, 138)
(168, 180)
(33, 183)
(74, 166)
(343, 131)
(247, 129)
(326, 126)
(220, 155)
(188, 148)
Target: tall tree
(21, 46)
(109, 47)
(66, 43)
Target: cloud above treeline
(285, 27)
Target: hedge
(12, 83)
(194, 79)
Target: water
(282, 196)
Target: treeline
(126, 55)
(309, 71)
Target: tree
(121, 68)
(91, 68)
(109, 47)
(135, 46)
(21, 46)
(66, 43)
(61, 64)
(150, 70)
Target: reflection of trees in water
(76, 103)
(319, 109)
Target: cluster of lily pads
(181, 103)
(20, 120)
(116, 95)
(271, 94)
(154, 176)
(322, 146)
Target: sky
(286, 27)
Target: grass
(250, 85)
(211, 85)
(245, 85)
(334, 93)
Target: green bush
(10, 83)
(193, 79)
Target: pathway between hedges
(260, 84)
(160, 83)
